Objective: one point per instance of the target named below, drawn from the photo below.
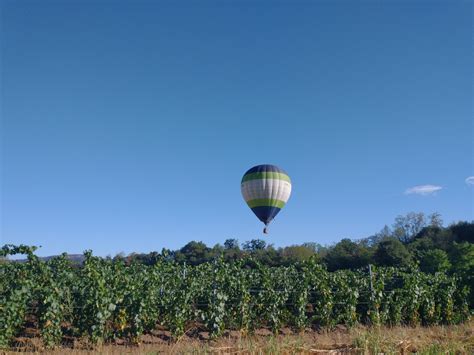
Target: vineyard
(105, 299)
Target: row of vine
(105, 299)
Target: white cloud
(423, 190)
(470, 180)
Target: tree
(267, 256)
(434, 261)
(295, 253)
(193, 253)
(347, 255)
(420, 246)
(254, 244)
(231, 244)
(441, 238)
(463, 231)
(315, 247)
(148, 259)
(216, 251)
(436, 220)
(462, 258)
(233, 254)
(119, 257)
(391, 252)
(406, 227)
(373, 240)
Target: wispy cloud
(470, 180)
(423, 190)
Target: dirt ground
(341, 340)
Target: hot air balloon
(266, 189)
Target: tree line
(413, 240)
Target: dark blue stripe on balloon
(264, 169)
(266, 213)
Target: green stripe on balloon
(265, 202)
(266, 175)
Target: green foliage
(434, 261)
(296, 254)
(347, 255)
(419, 235)
(407, 227)
(109, 298)
(463, 231)
(254, 244)
(231, 244)
(10, 249)
(193, 253)
(391, 252)
(16, 285)
(462, 258)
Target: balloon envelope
(266, 189)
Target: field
(105, 304)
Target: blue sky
(127, 125)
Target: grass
(455, 339)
